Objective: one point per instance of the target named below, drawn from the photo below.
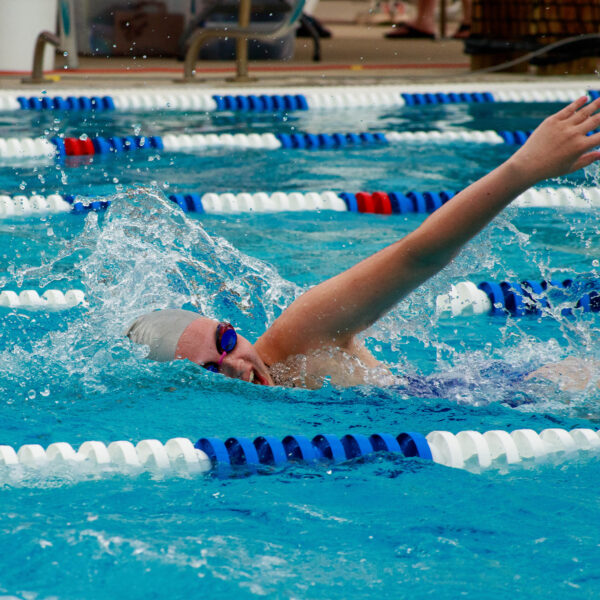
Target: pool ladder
(37, 73)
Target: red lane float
(383, 206)
(79, 147)
(365, 203)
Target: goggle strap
(222, 358)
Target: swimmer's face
(198, 344)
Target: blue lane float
(524, 298)
(333, 140)
(71, 103)
(260, 103)
(531, 297)
(270, 451)
(517, 138)
(449, 98)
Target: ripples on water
(301, 532)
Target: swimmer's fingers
(592, 141)
(586, 159)
(571, 109)
(561, 144)
(586, 115)
(589, 124)
(586, 111)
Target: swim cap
(161, 331)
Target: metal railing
(243, 32)
(37, 72)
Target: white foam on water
(144, 254)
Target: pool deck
(355, 55)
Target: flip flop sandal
(408, 32)
(463, 32)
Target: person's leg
(309, 7)
(425, 19)
(464, 29)
(466, 8)
(423, 26)
(303, 30)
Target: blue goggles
(225, 340)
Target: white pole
(68, 33)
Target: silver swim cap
(161, 331)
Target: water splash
(144, 254)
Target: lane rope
(520, 299)
(274, 100)
(384, 203)
(470, 450)
(57, 146)
(49, 299)
(465, 298)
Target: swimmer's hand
(561, 143)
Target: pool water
(387, 526)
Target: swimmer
(315, 337)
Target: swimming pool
(386, 525)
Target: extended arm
(332, 312)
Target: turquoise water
(387, 526)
